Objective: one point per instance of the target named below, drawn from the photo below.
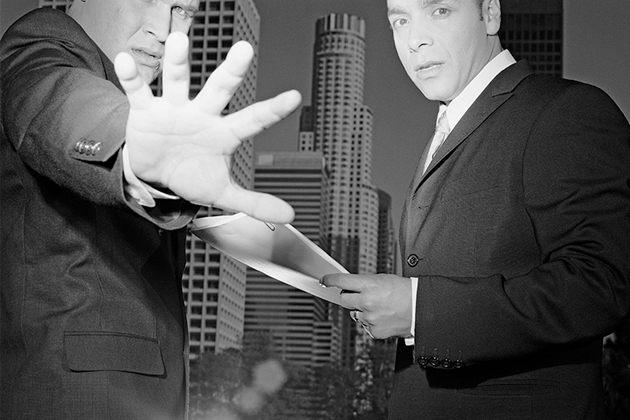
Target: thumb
(261, 206)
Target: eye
(399, 23)
(441, 12)
(182, 13)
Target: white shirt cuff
(140, 191)
(414, 291)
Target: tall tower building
(339, 125)
(387, 243)
(533, 30)
(301, 325)
(214, 285)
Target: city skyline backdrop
(595, 51)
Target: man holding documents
(97, 188)
(514, 235)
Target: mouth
(428, 67)
(147, 57)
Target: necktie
(441, 132)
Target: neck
(76, 11)
(495, 47)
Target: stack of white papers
(279, 251)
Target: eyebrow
(396, 10)
(190, 7)
(187, 5)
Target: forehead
(117, 6)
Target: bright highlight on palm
(187, 145)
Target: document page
(277, 250)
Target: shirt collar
(458, 106)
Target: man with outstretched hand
(99, 179)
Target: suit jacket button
(413, 260)
(423, 361)
(446, 363)
(434, 361)
(458, 364)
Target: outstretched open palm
(187, 145)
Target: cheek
(124, 32)
(399, 49)
(132, 36)
(180, 26)
(403, 56)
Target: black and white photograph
(314, 209)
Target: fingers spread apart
(138, 91)
(225, 80)
(259, 205)
(176, 77)
(255, 118)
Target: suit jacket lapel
(499, 91)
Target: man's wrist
(143, 193)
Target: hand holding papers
(279, 251)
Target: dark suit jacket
(519, 234)
(91, 305)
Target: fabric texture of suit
(93, 323)
(518, 233)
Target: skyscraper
(533, 30)
(387, 242)
(339, 124)
(301, 325)
(214, 285)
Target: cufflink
(87, 147)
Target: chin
(433, 93)
(430, 94)
(149, 76)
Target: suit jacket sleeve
(575, 185)
(57, 90)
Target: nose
(158, 21)
(418, 37)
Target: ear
(492, 16)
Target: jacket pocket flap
(96, 351)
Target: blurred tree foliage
(240, 385)
(254, 384)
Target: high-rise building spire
(339, 125)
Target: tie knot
(442, 125)
(441, 132)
